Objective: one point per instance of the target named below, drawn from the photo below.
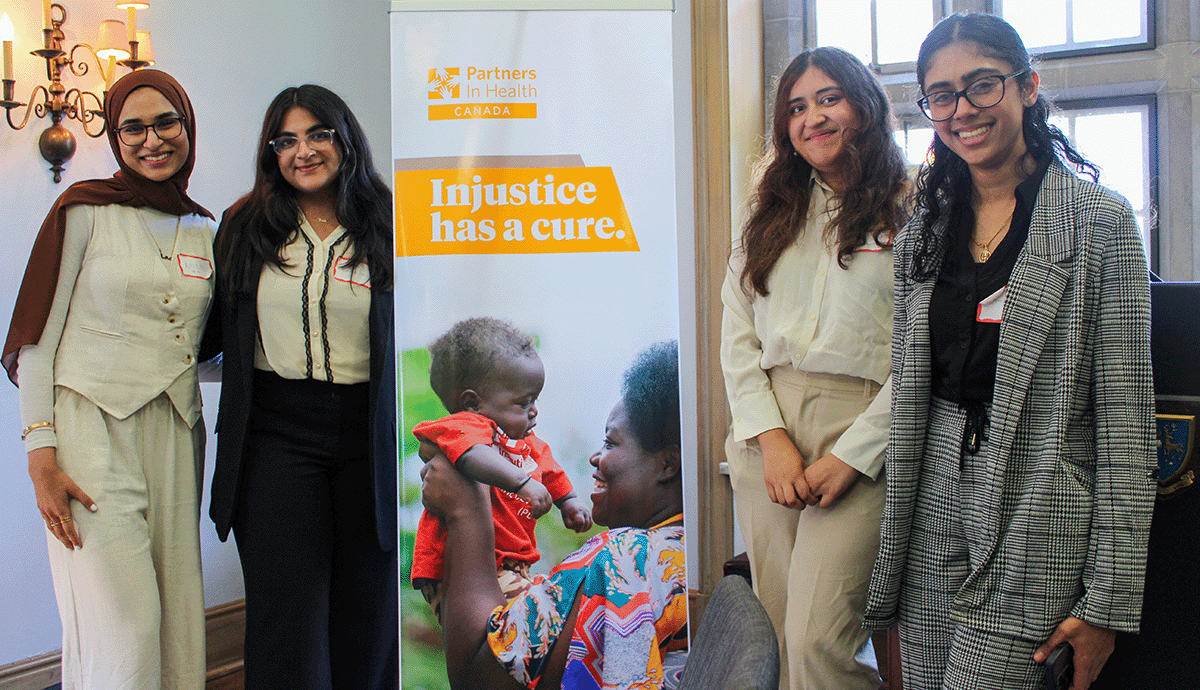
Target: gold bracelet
(37, 425)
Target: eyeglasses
(984, 92)
(316, 139)
(135, 134)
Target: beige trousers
(131, 599)
(811, 568)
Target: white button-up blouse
(313, 315)
(817, 318)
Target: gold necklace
(986, 252)
(314, 216)
(165, 257)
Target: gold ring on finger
(65, 520)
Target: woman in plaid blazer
(1020, 482)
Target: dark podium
(1166, 655)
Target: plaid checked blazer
(1066, 513)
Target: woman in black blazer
(306, 448)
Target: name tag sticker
(360, 275)
(991, 307)
(195, 266)
(873, 246)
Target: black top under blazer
(1065, 518)
(235, 324)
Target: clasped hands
(793, 483)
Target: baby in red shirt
(488, 375)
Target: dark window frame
(1050, 53)
(810, 36)
(1150, 101)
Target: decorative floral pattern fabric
(632, 620)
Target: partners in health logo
(443, 83)
(485, 93)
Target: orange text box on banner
(542, 210)
(482, 111)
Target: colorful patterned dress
(631, 630)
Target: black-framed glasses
(316, 139)
(984, 92)
(135, 134)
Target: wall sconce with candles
(57, 144)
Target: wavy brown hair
(872, 202)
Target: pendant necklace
(313, 216)
(324, 227)
(165, 257)
(986, 252)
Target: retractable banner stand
(533, 150)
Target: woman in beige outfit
(805, 351)
(105, 333)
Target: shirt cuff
(43, 437)
(863, 447)
(754, 414)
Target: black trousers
(321, 596)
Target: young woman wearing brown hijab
(105, 331)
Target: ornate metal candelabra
(57, 144)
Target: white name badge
(195, 266)
(991, 307)
(360, 275)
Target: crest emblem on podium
(1176, 453)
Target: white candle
(111, 74)
(145, 47)
(6, 35)
(46, 23)
(130, 23)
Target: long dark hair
(871, 202)
(944, 186)
(257, 227)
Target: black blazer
(232, 328)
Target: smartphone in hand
(1060, 667)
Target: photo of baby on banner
(488, 375)
(487, 477)
(541, 486)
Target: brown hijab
(126, 188)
